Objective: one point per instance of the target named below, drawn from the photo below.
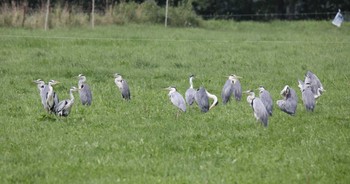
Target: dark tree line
(216, 9)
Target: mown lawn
(143, 141)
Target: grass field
(142, 141)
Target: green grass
(142, 141)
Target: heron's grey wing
(85, 94)
(189, 96)
(202, 100)
(288, 106)
(125, 91)
(260, 111)
(267, 101)
(237, 89)
(293, 95)
(308, 99)
(60, 106)
(227, 91)
(178, 101)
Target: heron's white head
(251, 96)
(53, 82)
(261, 88)
(285, 90)
(192, 76)
(117, 76)
(39, 82)
(74, 88)
(234, 77)
(250, 93)
(82, 77)
(171, 88)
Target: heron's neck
(172, 91)
(191, 83)
(250, 98)
(215, 98)
(71, 95)
(50, 92)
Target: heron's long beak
(239, 77)
(247, 92)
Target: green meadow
(143, 140)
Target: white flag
(338, 19)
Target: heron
(266, 99)
(202, 99)
(176, 98)
(289, 102)
(307, 96)
(64, 107)
(84, 90)
(43, 89)
(315, 84)
(259, 108)
(190, 92)
(50, 96)
(122, 85)
(237, 88)
(232, 86)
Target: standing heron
(50, 96)
(176, 98)
(232, 86)
(315, 84)
(202, 98)
(237, 88)
(64, 107)
(84, 90)
(307, 96)
(266, 99)
(289, 102)
(43, 90)
(190, 93)
(259, 108)
(122, 85)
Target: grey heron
(307, 96)
(190, 92)
(266, 99)
(84, 90)
(315, 84)
(122, 85)
(202, 99)
(50, 96)
(290, 100)
(43, 89)
(258, 107)
(237, 88)
(176, 98)
(64, 107)
(232, 86)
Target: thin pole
(47, 13)
(166, 13)
(93, 14)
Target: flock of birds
(51, 103)
(311, 89)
